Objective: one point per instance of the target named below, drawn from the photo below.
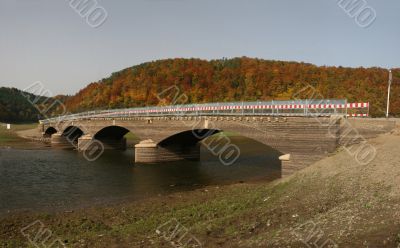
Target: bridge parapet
(298, 108)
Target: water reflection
(59, 178)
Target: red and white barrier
(221, 107)
(357, 115)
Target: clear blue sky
(45, 40)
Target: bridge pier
(148, 151)
(61, 141)
(46, 135)
(84, 142)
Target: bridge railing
(305, 108)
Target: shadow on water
(62, 179)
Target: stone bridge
(176, 138)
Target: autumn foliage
(238, 79)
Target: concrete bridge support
(148, 151)
(61, 141)
(84, 142)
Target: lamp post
(388, 96)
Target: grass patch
(8, 137)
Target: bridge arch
(49, 132)
(112, 137)
(226, 147)
(73, 133)
(188, 138)
(111, 132)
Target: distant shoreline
(19, 135)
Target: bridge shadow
(68, 139)
(49, 132)
(256, 160)
(73, 133)
(207, 149)
(186, 145)
(116, 137)
(188, 138)
(240, 156)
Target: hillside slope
(238, 79)
(15, 106)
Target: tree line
(15, 106)
(237, 79)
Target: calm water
(54, 179)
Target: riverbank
(19, 135)
(348, 204)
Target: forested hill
(238, 79)
(15, 106)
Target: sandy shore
(33, 135)
(29, 134)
